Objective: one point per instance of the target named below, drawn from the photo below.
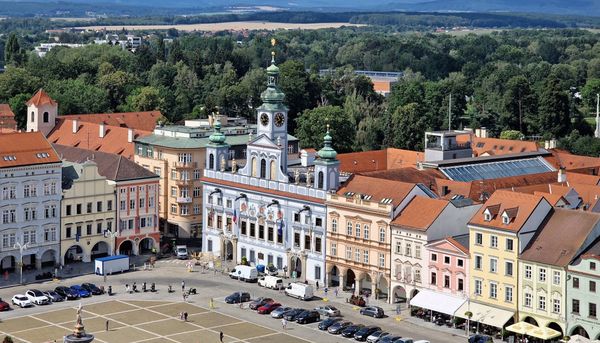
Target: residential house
(449, 258)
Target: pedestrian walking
(185, 315)
(398, 309)
(211, 304)
(325, 291)
(127, 287)
(221, 335)
(185, 297)
(180, 315)
(317, 285)
(182, 286)
(107, 325)
(283, 323)
(335, 291)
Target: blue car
(81, 291)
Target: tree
(409, 127)
(117, 85)
(312, 124)
(369, 134)
(7, 339)
(511, 134)
(589, 97)
(17, 104)
(145, 99)
(519, 103)
(300, 92)
(13, 53)
(553, 117)
(76, 96)
(17, 81)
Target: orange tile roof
(25, 148)
(400, 158)
(524, 204)
(378, 189)
(145, 121)
(553, 199)
(564, 159)
(491, 185)
(420, 213)
(41, 98)
(457, 244)
(87, 137)
(377, 160)
(497, 146)
(583, 178)
(7, 119)
(589, 194)
(6, 111)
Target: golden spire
(273, 43)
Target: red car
(4, 306)
(268, 307)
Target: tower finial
(273, 43)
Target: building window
(592, 310)
(132, 204)
(509, 268)
(99, 206)
(460, 262)
(261, 232)
(556, 278)
(493, 265)
(357, 230)
(509, 244)
(592, 265)
(382, 234)
(593, 286)
(88, 229)
(398, 247)
(508, 294)
(417, 251)
(446, 259)
(556, 305)
(89, 207)
(542, 275)
(366, 256)
(408, 249)
(270, 234)
(334, 225)
(478, 238)
(478, 262)
(366, 231)
(417, 275)
(253, 232)
(50, 234)
(493, 290)
(349, 229)
(196, 174)
(334, 249)
(494, 241)
(433, 279)
(357, 255)
(381, 260)
(318, 244)
(461, 285)
(99, 228)
(446, 281)
(528, 299)
(434, 257)
(527, 272)
(307, 242)
(174, 211)
(575, 306)
(348, 253)
(244, 227)
(478, 286)
(318, 272)
(542, 303)
(79, 207)
(297, 239)
(576, 282)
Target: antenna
(450, 113)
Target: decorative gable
(264, 142)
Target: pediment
(264, 142)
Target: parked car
(67, 292)
(357, 300)
(373, 311)
(21, 301)
(480, 339)
(37, 297)
(290, 316)
(81, 291)
(4, 306)
(422, 341)
(338, 327)
(328, 310)
(280, 311)
(362, 334)
(309, 316)
(375, 336)
(389, 339)
(351, 330)
(324, 325)
(90, 287)
(404, 340)
(237, 297)
(258, 302)
(53, 296)
(268, 307)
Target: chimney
(478, 133)
(562, 176)
(546, 145)
(129, 135)
(445, 191)
(102, 130)
(75, 125)
(484, 133)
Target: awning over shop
(438, 302)
(528, 329)
(521, 328)
(485, 314)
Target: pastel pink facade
(448, 266)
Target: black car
(389, 339)
(90, 287)
(338, 327)
(351, 330)
(308, 317)
(362, 334)
(237, 297)
(480, 339)
(53, 296)
(291, 315)
(324, 325)
(67, 292)
(255, 304)
(373, 311)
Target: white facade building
(30, 195)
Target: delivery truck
(112, 264)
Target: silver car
(280, 311)
(328, 310)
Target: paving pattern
(141, 321)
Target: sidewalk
(69, 271)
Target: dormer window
(505, 219)
(487, 216)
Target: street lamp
(111, 235)
(21, 247)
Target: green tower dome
(327, 152)
(272, 95)
(217, 137)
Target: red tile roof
(7, 119)
(6, 111)
(457, 244)
(378, 189)
(377, 160)
(553, 199)
(564, 159)
(145, 121)
(496, 146)
(87, 137)
(583, 178)
(25, 148)
(521, 205)
(420, 213)
(41, 98)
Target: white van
(299, 290)
(244, 273)
(272, 282)
(182, 252)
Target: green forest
(540, 83)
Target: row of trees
(539, 83)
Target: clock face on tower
(279, 119)
(264, 119)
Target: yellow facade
(494, 267)
(180, 190)
(88, 210)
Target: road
(217, 286)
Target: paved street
(153, 317)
